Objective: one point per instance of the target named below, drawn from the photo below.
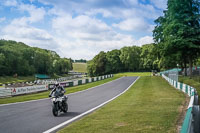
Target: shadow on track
(71, 114)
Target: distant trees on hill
(18, 58)
(134, 58)
(80, 61)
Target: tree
(126, 59)
(97, 66)
(149, 57)
(178, 31)
(18, 58)
(113, 64)
(2, 63)
(130, 57)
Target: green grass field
(134, 74)
(45, 94)
(80, 67)
(150, 105)
(10, 79)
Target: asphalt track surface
(37, 117)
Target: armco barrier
(5, 92)
(75, 82)
(36, 88)
(192, 117)
(22, 90)
(89, 80)
(51, 86)
(79, 82)
(64, 84)
(28, 89)
(71, 84)
(83, 81)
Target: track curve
(36, 116)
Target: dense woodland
(133, 58)
(17, 58)
(177, 44)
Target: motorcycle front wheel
(55, 110)
(65, 108)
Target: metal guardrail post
(188, 126)
(191, 125)
(196, 118)
(196, 99)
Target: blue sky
(79, 28)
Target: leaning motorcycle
(59, 104)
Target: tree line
(79, 61)
(132, 58)
(21, 59)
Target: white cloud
(144, 40)
(2, 19)
(77, 30)
(32, 1)
(10, 3)
(36, 14)
(136, 24)
(20, 29)
(124, 9)
(80, 27)
(89, 48)
(161, 4)
(84, 36)
(131, 2)
(28, 34)
(104, 12)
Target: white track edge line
(67, 94)
(87, 112)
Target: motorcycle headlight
(53, 99)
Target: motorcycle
(59, 104)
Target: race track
(37, 117)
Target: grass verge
(190, 81)
(10, 79)
(80, 67)
(150, 105)
(134, 74)
(45, 94)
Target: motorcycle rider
(58, 91)
(60, 105)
